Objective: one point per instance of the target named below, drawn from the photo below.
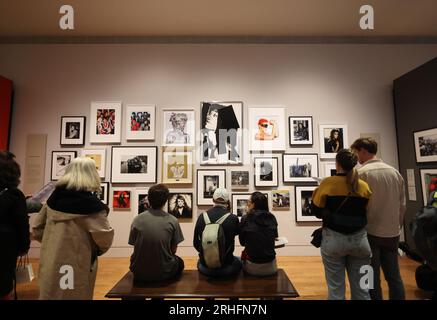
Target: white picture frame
(59, 162)
(177, 167)
(104, 194)
(99, 157)
(425, 145)
(266, 171)
(302, 206)
(134, 164)
(329, 147)
(267, 130)
(140, 122)
(105, 122)
(425, 178)
(239, 202)
(179, 128)
(300, 167)
(300, 131)
(208, 180)
(73, 131)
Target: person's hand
(272, 122)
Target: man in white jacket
(385, 217)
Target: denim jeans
(385, 256)
(345, 253)
(224, 272)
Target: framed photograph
(121, 199)
(266, 171)
(177, 167)
(134, 165)
(105, 122)
(332, 139)
(267, 129)
(304, 196)
(300, 167)
(428, 178)
(180, 205)
(142, 200)
(239, 203)
(301, 130)
(425, 144)
(207, 182)
(179, 128)
(73, 131)
(99, 157)
(221, 133)
(60, 162)
(104, 192)
(240, 179)
(140, 122)
(329, 169)
(281, 199)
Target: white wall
(349, 84)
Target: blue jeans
(340, 253)
(226, 271)
(385, 256)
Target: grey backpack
(213, 242)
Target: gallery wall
(336, 84)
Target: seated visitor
(155, 235)
(258, 231)
(218, 261)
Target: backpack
(213, 242)
(424, 232)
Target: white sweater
(385, 214)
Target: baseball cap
(221, 195)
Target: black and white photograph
(73, 131)
(425, 143)
(60, 162)
(333, 138)
(301, 130)
(140, 122)
(179, 128)
(239, 203)
(221, 133)
(104, 192)
(428, 178)
(105, 122)
(134, 165)
(303, 204)
(207, 182)
(240, 179)
(180, 205)
(281, 199)
(302, 167)
(141, 201)
(266, 171)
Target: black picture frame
(200, 187)
(297, 201)
(275, 183)
(172, 194)
(290, 131)
(81, 140)
(105, 185)
(72, 154)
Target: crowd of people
(362, 212)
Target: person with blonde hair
(74, 230)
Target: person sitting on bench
(155, 235)
(224, 264)
(258, 231)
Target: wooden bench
(193, 284)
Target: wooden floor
(306, 274)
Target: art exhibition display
(60, 161)
(267, 129)
(425, 144)
(266, 171)
(207, 182)
(221, 133)
(180, 205)
(140, 122)
(73, 131)
(179, 128)
(141, 200)
(329, 169)
(333, 138)
(99, 157)
(281, 199)
(104, 192)
(239, 203)
(303, 198)
(428, 178)
(240, 179)
(300, 167)
(300, 131)
(121, 199)
(105, 122)
(134, 165)
(177, 167)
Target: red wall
(5, 111)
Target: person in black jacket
(258, 231)
(14, 222)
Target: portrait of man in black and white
(220, 130)
(301, 132)
(179, 205)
